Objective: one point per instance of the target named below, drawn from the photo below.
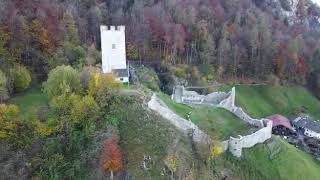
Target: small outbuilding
(281, 125)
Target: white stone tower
(113, 47)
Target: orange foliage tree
(111, 157)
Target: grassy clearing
(291, 163)
(30, 100)
(216, 122)
(262, 101)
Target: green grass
(30, 100)
(180, 109)
(262, 101)
(217, 122)
(291, 163)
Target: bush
(99, 82)
(149, 78)
(21, 78)
(8, 121)
(4, 94)
(182, 71)
(273, 80)
(61, 81)
(75, 110)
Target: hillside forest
(51, 50)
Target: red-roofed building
(281, 125)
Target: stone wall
(157, 105)
(229, 104)
(235, 145)
(181, 95)
(227, 101)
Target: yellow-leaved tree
(100, 81)
(8, 121)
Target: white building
(113, 47)
(310, 127)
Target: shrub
(21, 78)
(182, 71)
(4, 94)
(62, 80)
(273, 80)
(8, 121)
(216, 151)
(171, 163)
(75, 110)
(149, 78)
(100, 82)
(85, 76)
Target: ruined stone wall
(186, 126)
(227, 101)
(181, 95)
(229, 104)
(235, 145)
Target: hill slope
(262, 101)
(275, 159)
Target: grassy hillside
(144, 133)
(275, 159)
(216, 122)
(289, 163)
(262, 101)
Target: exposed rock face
(287, 10)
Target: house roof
(308, 123)
(278, 120)
(121, 72)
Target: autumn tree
(111, 157)
(9, 115)
(21, 78)
(61, 81)
(206, 47)
(100, 82)
(42, 37)
(71, 31)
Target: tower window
(113, 46)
